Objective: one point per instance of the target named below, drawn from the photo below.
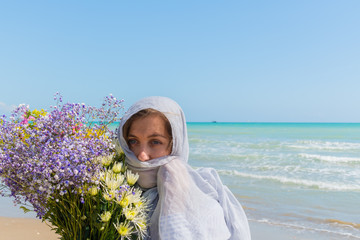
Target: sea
(300, 177)
(304, 177)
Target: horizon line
(266, 122)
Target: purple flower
(52, 154)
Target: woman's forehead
(153, 124)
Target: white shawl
(187, 203)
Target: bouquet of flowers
(66, 166)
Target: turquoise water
(300, 176)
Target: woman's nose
(143, 155)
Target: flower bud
(117, 167)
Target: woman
(185, 203)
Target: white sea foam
(330, 158)
(306, 228)
(325, 145)
(301, 182)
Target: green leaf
(26, 210)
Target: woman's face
(148, 138)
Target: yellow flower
(131, 177)
(124, 201)
(108, 196)
(36, 113)
(106, 216)
(124, 229)
(97, 133)
(130, 213)
(93, 191)
(138, 204)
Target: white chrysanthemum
(106, 216)
(134, 195)
(138, 217)
(124, 229)
(113, 181)
(123, 200)
(141, 226)
(117, 167)
(106, 160)
(130, 213)
(120, 177)
(131, 177)
(107, 175)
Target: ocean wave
(343, 223)
(321, 145)
(300, 182)
(306, 228)
(233, 143)
(330, 158)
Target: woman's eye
(132, 141)
(156, 142)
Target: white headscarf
(187, 203)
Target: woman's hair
(143, 114)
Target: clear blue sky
(292, 61)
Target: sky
(226, 61)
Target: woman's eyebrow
(157, 135)
(152, 135)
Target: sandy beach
(25, 228)
(34, 229)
